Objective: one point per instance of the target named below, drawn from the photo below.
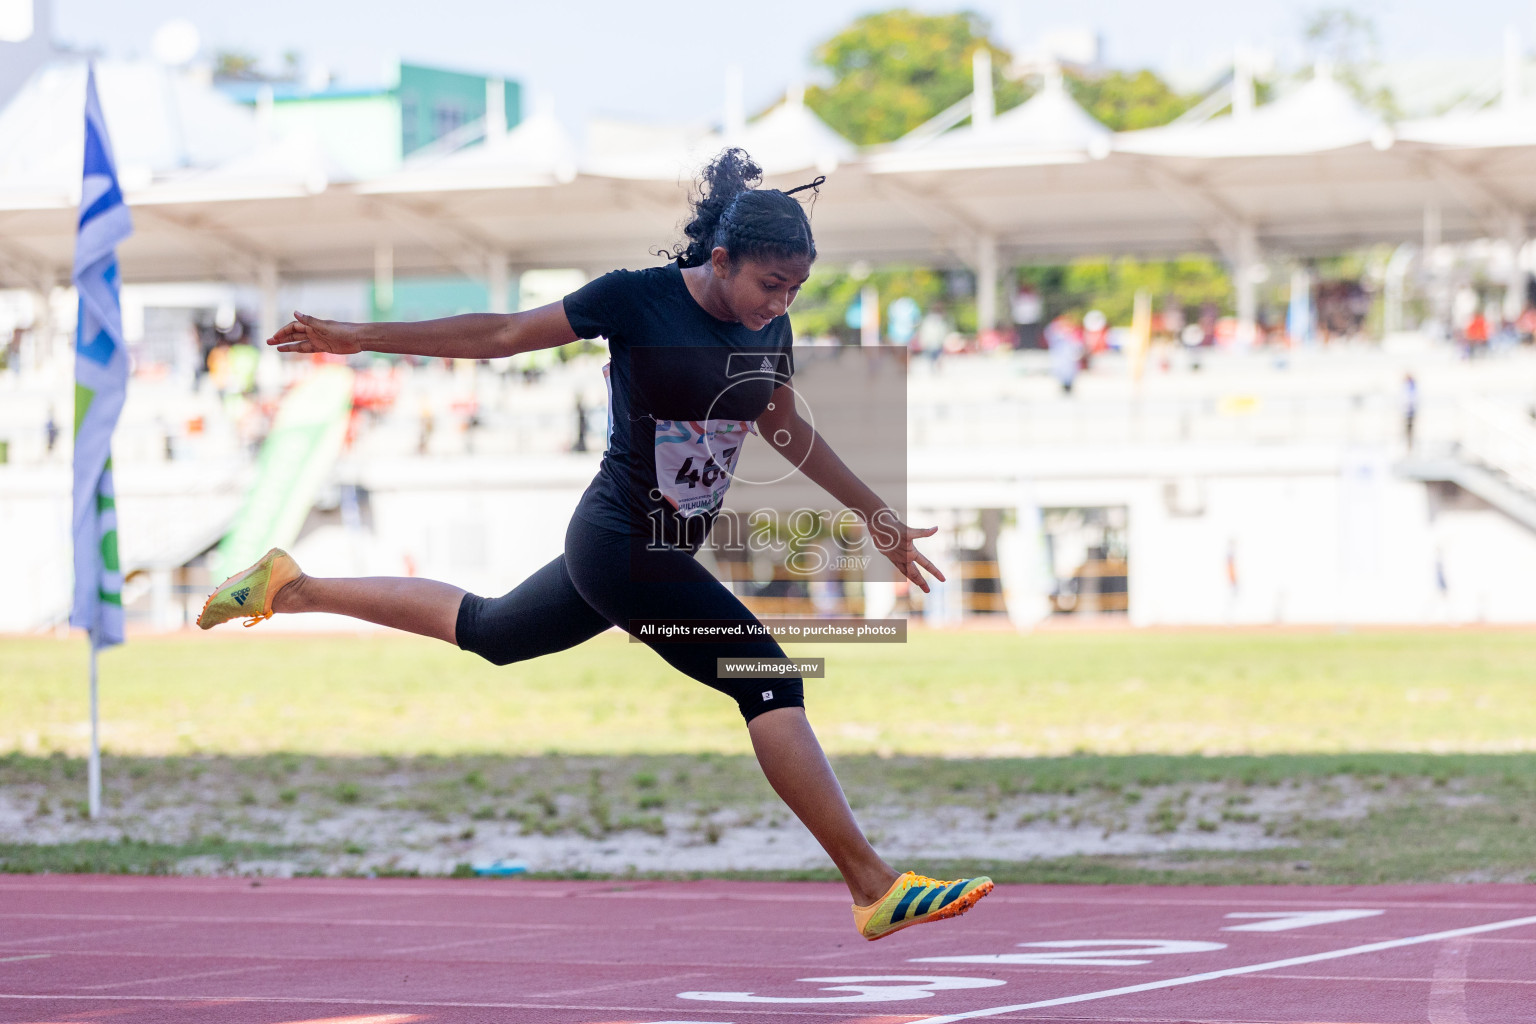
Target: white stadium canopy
(217, 197)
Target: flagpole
(101, 387)
(94, 772)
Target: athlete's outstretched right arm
(471, 336)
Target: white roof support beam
(1236, 237)
(498, 278)
(30, 270)
(1492, 210)
(1222, 224)
(466, 250)
(953, 230)
(983, 104)
(1245, 275)
(1515, 237)
(986, 283)
(383, 277)
(234, 257)
(267, 281)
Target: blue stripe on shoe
(900, 912)
(952, 892)
(927, 901)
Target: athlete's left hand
(897, 541)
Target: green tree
(237, 65)
(242, 66)
(1347, 40)
(1110, 285)
(1128, 100)
(894, 70)
(822, 306)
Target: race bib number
(695, 460)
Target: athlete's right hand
(312, 334)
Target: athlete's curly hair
(730, 211)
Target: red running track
(234, 951)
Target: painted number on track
(862, 988)
(1083, 952)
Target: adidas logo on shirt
(766, 365)
(241, 595)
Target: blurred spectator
(1475, 336)
(1173, 320)
(581, 425)
(1526, 325)
(51, 430)
(991, 341)
(902, 318)
(1027, 309)
(1410, 407)
(1209, 315)
(1064, 340)
(424, 438)
(1342, 306)
(1232, 584)
(932, 331)
(1095, 332)
(10, 356)
(232, 368)
(1192, 337)
(1505, 338)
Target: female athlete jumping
(675, 333)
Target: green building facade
(435, 103)
(368, 132)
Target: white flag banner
(101, 383)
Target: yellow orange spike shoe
(917, 899)
(250, 592)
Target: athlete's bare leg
(400, 602)
(786, 748)
(797, 769)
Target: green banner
(295, 460)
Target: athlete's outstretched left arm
(786, 430)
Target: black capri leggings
(605, 579)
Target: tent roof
(789, 139)
(1049, 127)
(228, 203)
(163, 124)
(1495, 127)
(536, 152)
(1317, 117)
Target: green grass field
(943, 694)
(1435, 730)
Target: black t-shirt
(684, 390)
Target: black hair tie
(814, 186)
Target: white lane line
(93, 934)
(1448, 992)
(180, 977)
(420, 925)
(1294, 961)
(526, 890)
(433, 1004)
(33, 956)
(1286, 920)
(1378, 979)
(588, 989)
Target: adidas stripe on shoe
(918, 899)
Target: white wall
(1342, 540)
